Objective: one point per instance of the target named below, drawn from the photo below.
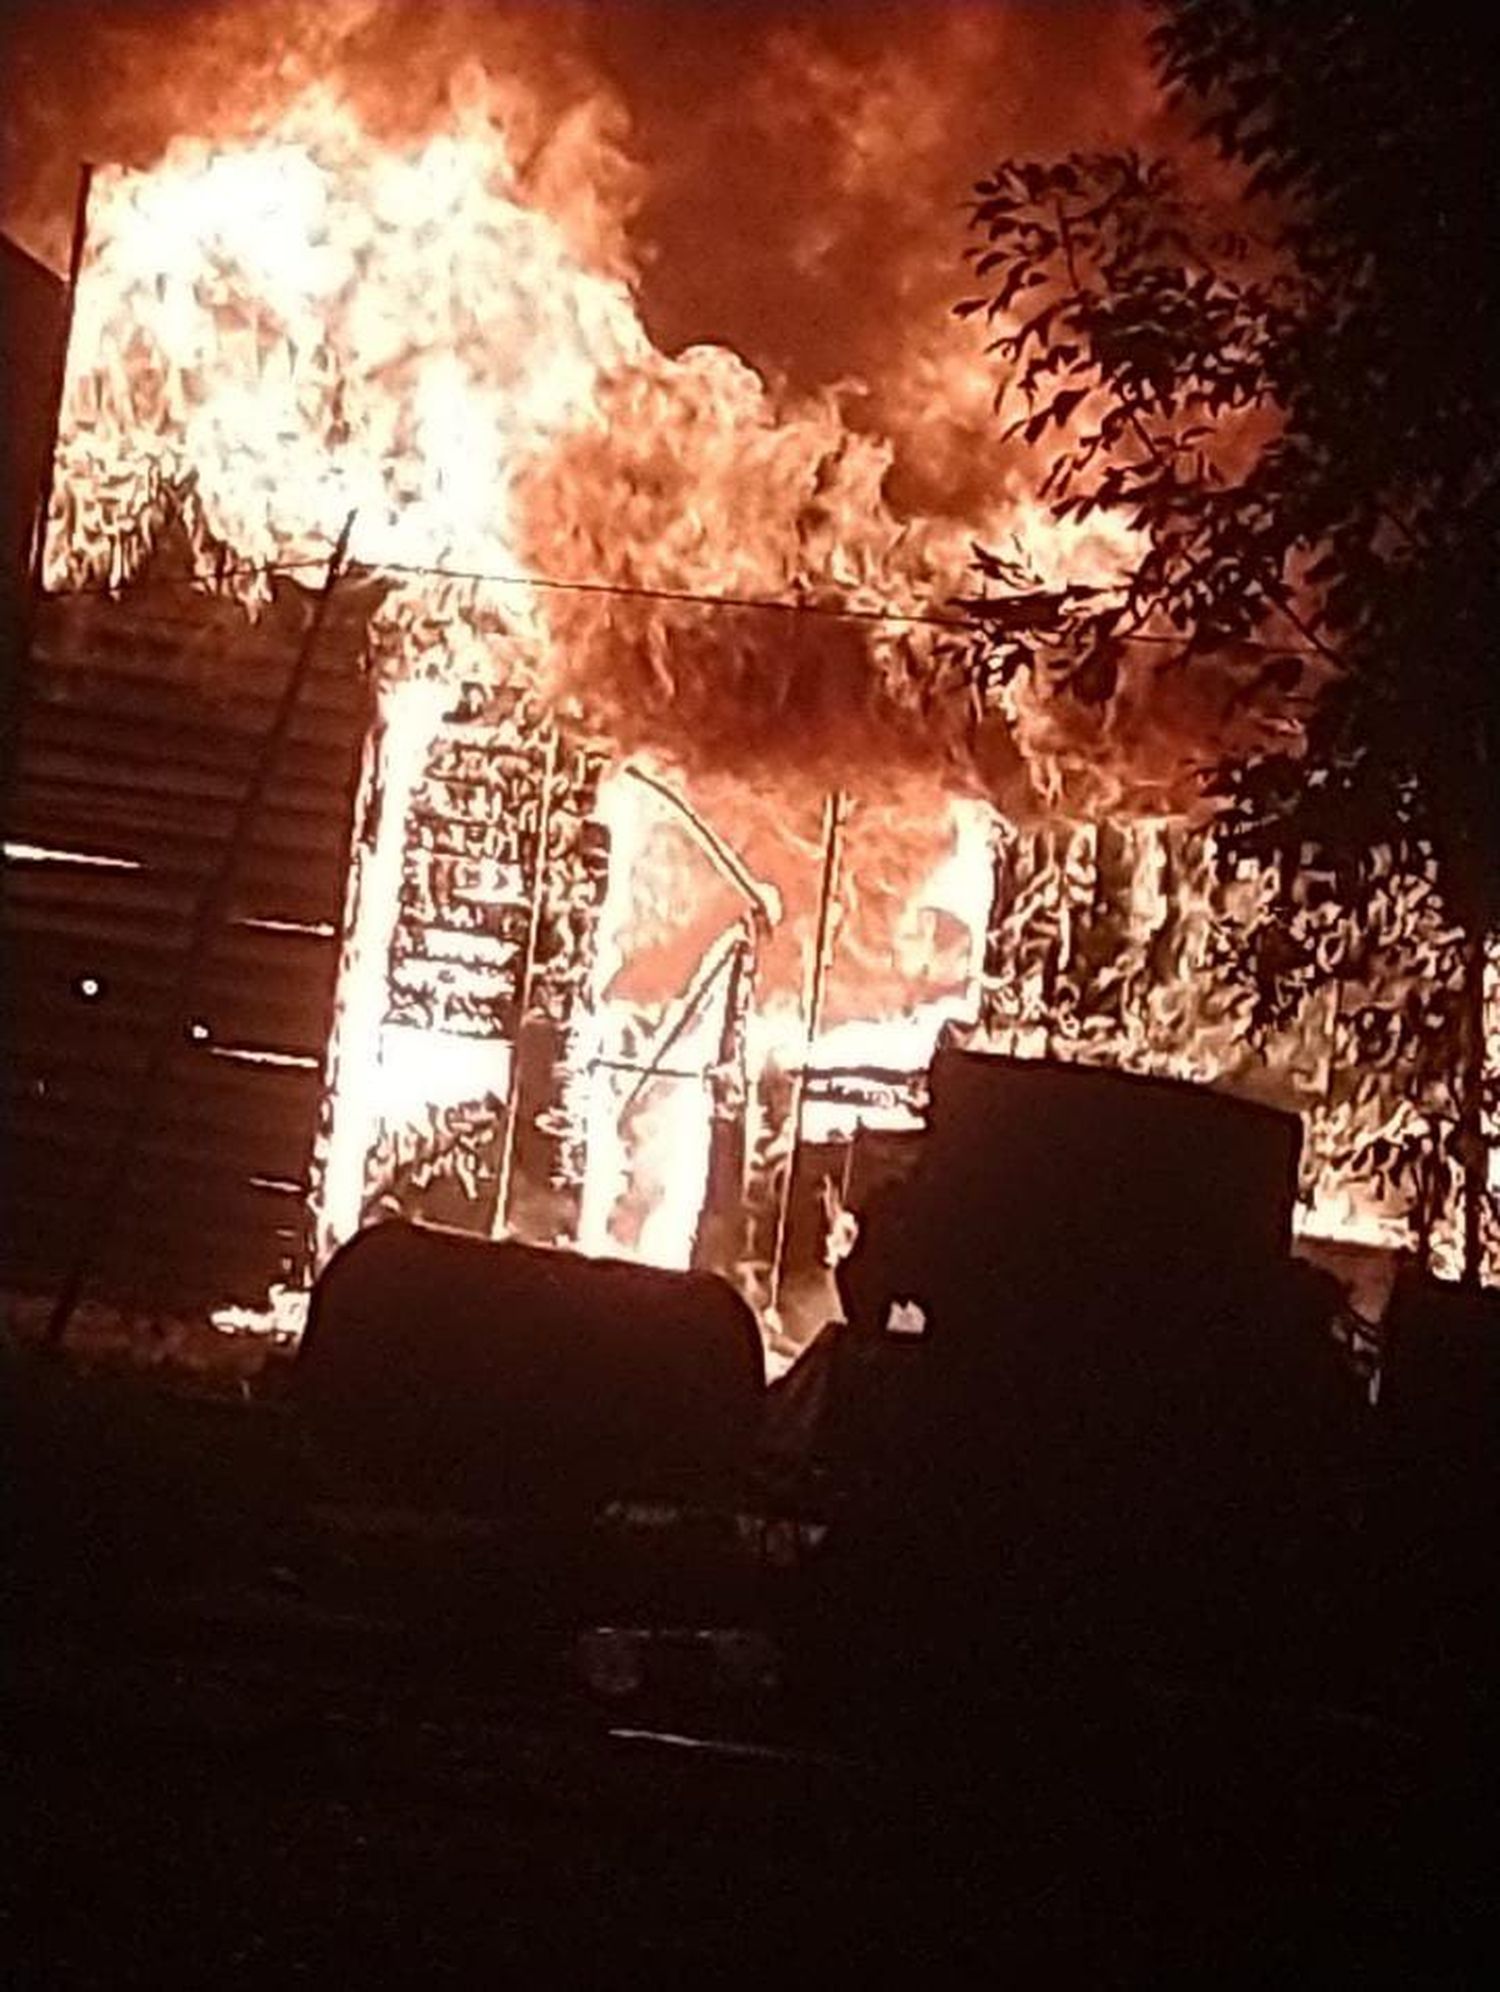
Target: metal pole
(102, 1209)
(523, 1004)
(724, 1179)
(833, 818)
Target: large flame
(373, 278)
(431, 313)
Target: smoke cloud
(789, 176)
(784, 182)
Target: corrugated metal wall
(142, 720)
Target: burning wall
(579, 1001)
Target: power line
(639, 592)
(622, 590)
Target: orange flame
(428, 304)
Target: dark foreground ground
(257, 1734)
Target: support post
(833, 823)
(523, 995)
(718, 1237)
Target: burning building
(636, 833)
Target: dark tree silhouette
(1278, 368)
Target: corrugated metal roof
(143, 719)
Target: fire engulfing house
(478, 969)
(585, 849)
